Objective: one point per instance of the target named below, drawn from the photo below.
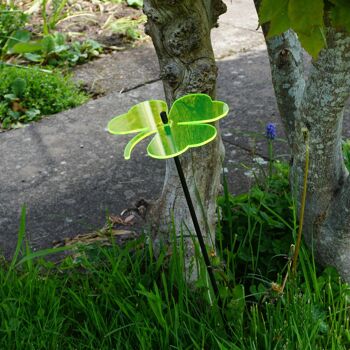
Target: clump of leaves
(28, 94)
(135, 3)
(54, 50)
(57, 13)
(306, 18)
(128, 27)
(131, 3)
(256, 228)
(11, 20)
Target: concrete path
(70, 172)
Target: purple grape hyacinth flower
(271, 131)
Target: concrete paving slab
(70, 172)
(245, 82)
(228, 40)
(238, 29)
(121, 71)
(240, 14)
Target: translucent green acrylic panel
(186, 125)
(167, 145)
(144, 116)
(197, 108)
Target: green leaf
(135, 3)
(275, 12)
(314, 42)
(340, 15)
(59, 38)
(20, 36)
(279, 24)
(33, 57)
(48, 44)
(304, 15)
(340, 2)
(271, 9)
(28, 47)
(18, 87)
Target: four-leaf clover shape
(186, 126)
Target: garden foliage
(307, 18)
(26, 94)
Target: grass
(125, 298)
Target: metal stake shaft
(196, 225)
(198, 230)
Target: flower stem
(270, 150)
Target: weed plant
(125, 298)
(257, 229)
(10, 21)
(26, 94)
(128, 27)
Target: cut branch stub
(181, 37)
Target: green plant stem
(303, 202)
(44, 15)
(24, 67)
(270, 150)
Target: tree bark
(180, 31)
(317, 107)
(321, 112)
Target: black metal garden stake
(195, 222)
(188, 126)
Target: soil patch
(92, 19)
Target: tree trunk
(317, 107)
(180, 31)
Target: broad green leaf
(340, 15)
(275, 12)
(33, 57)
(314, 42)
(186, 126)
(18, 87)
(271, 9)
(31, 46)
(305, 14)
(340, 2)
(20, 36)
(59, 39)
(48, 44)
(279, 24)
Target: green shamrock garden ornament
(187, 124)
